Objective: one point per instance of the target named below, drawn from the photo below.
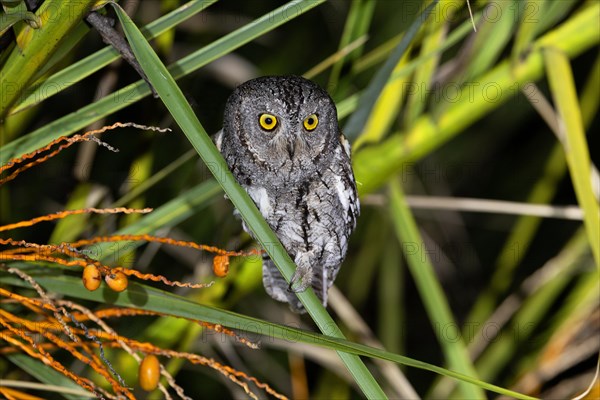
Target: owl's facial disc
(286, 122)
(286, 135)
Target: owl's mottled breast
(281, 156)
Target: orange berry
(117, 281)
(221, 265)
(149, 373)
(92, 278)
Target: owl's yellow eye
(267, 121)
(311, 122)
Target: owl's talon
(301, 280)
(298, 289)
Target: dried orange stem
(63, 214)
(41, 257)
(161, 278)
(44, 356)
(93, 361)
(65, 142)
(129, 312)
(13, 394)
(26, 300)
(156, 239)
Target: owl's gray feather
(300, 180)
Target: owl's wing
(345, 144)
(345, 185)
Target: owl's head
(281, 122)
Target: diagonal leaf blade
(431, 292)
(575, 145)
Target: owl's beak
(291, 147)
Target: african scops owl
(282, 142)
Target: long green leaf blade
(577, 152)
(431, 292)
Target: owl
(282, 142)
